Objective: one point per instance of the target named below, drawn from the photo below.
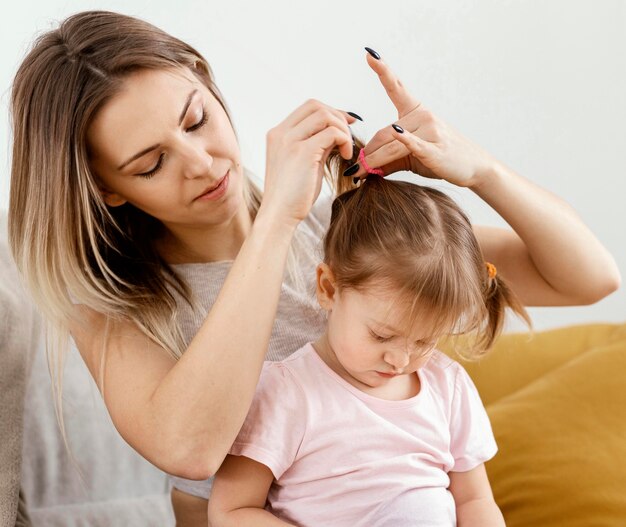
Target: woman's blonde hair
(68, 245)
(416, 241)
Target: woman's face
(160, 144)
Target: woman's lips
(216, 192)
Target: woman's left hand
(428, 146)
(544, 225)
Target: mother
(139, 232)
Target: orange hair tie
(491, 269)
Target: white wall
(540, 84)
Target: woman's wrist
(269, 223)
(489, 178)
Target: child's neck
(396, 389)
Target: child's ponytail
(498, 297)
(337, 165)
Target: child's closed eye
(379, 338)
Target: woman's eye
(201, 122)
(157, 167)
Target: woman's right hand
(297, 150)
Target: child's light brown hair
(417, 242)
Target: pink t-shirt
(342, 457)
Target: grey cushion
(19, 336)
(107, 480)
(108, 483)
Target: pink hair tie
(369, 170)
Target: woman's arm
(551, 258)
(184, 415)
(475, 506)
(239, 494)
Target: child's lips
(387, 375)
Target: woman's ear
(325, 287)
(111, 198)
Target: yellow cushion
(519, 358)
(562, 445)
(557, 404)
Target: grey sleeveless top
(299, 319)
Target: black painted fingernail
(355, 180)
(355, 115)
(350, 171)
(397, 128)
(373, 53)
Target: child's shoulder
(442, 373)
(442, 364)
(287, 373)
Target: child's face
(366, 335)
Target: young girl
(369, 424)
(138, 230)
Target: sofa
(556, 399)
(557, 405)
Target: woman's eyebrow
(186, 107)
(154, 147)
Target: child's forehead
(393, 311)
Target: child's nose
(398, 359)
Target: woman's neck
(201, 245)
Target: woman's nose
(197, 162)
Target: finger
(377, 152)
(420, 121)
(419, 148)
(346, 151)
(402, 144)
(399, 95)
(331, 137)
(302, 112)
(323, 117)
(316, 122)
(382, 156)
(308, 108)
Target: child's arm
(474, 501)
(239, 494)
